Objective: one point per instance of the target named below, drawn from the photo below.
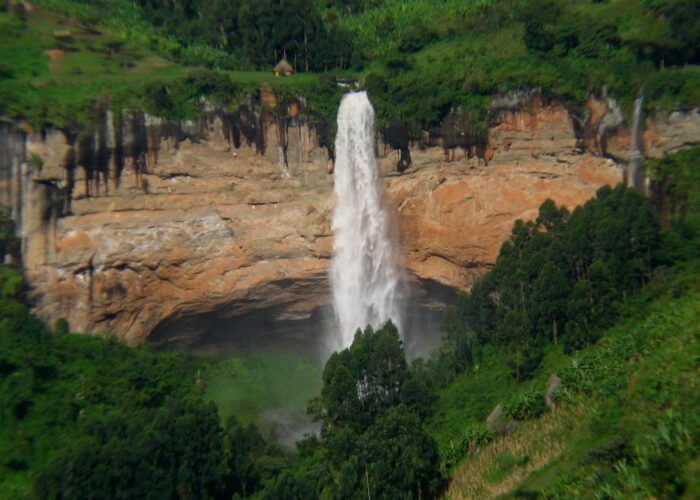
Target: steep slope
(626, 421)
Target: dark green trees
(549, 297)
(371, 411)
(174, 451)
(562, 276)
(258, 33)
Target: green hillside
(626, 421)
(57, 63)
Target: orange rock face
(231, 234)
(454, 218)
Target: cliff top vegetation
(419, 59)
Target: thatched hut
(284, 68)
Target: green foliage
(421, 61)
(563, 275)
(108, 401)
(180, 99)
(675, 181)
(526, 406)
(638, 388)
(89, 417)
(11, 283)
(250, 460)
(371, 409)
(623, 344)
(628, 367)
(470, 440)
(169, 451)
(9, 247)
(61, 326)
(544, 283)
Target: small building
(347, 83)
(284, 68)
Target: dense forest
(421, 61)
(134, 422)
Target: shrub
(470, 441)
(60, 327)
(527, 406)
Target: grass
(97, 62)
(627, 424)
(248, 386)
(471, 397)
(92, 64)
(504, 465)
(506, 461)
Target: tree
(172, 451)
(514, 328)
(549, 298)
(220, 23)
(243, 445)
(602, 295)
(371, 410)
(418, 392)
(399, 460)
(550, 216)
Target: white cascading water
(365, 275)
(635, 174)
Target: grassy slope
(62, 93)
(623, 398)
(248, 386)
(627, 423)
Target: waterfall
(635, 176)
(365, 275)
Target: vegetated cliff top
(419, 59)
(58, 61)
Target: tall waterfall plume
(365, 274)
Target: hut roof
(284, 67)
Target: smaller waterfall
(365, 275)
(635, 176)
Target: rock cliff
(186, 235)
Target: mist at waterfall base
(365, 277)
(365, 283)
